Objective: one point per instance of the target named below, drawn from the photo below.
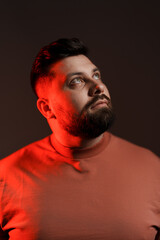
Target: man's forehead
(72, 64)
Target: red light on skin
(74, 85)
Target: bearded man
(81, 182)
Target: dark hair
(52, 53)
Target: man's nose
(95, 89)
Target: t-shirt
(110, 191)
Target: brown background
(123, 38)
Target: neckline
(76, 153)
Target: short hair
(52, 53)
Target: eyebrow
(80, 73)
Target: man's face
(78, 98)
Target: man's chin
(96, 123)
(91, 124)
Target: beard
(90, 124)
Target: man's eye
(76, 80)
(96, 76)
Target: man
(81, 182)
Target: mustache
(95, 99)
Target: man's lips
(99, 103)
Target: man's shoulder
(26, 153)
(125, 147)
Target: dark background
(123, 38)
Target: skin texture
(76, 82)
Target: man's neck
(71, 141)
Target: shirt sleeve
(3, 235)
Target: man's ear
(44, 108)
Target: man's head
(51, 54)
(71, 94)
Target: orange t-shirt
(110, 191)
